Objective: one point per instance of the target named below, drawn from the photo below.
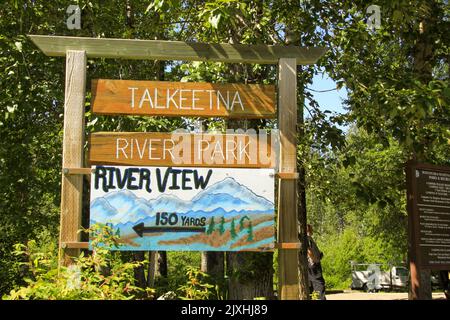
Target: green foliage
(101, 275)
(197, 286)
(359, 213)
(177, 270)
(398, 99)
(314, 295)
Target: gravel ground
(356, 295)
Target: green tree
(250, 232)
(233, 230)
(241, 222)
(211, 226)
(221, 227)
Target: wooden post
(287, 199)
(414, 290)
(73, 141)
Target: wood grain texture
(175, 50)
(75, 245)
(293, 245)
(77, 171)
(287, 200)
(188, 99)
(181, 149)
(287, 175)
(73, 141)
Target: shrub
(101, 275)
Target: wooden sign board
(163, 98)
(429, 193)
(181, 149)
(185, 209)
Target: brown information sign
(182, 149)
(164, 98)
(431, 215)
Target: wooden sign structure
(181, 149)
(428, 189)
(76, 50)
(164, 98)
(185, 209)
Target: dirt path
(357, 295)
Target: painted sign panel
(182, 149)
(431, 192)
(163, 98)
(185, 209)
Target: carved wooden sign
(182, 149)
(163, 98)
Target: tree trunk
(139, 272)
(423, 56)
(161, 270)
(250, 274)
(151, 270)
(129, 15)
(303, 281)
(213, 263)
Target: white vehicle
(371, 278)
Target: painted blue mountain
(226, 197)
(120, 206)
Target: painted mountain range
(226, 197)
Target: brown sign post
(428, 189)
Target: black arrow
(140, 229)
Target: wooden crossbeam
(75, 245)
(287, 175)
(288, 245)
(175, 50)
(77, 171)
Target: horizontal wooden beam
(77, 171)
(75, 245)
(287, 175)
(287, 245)
(85, 245)
(175, 50)
(180, 150)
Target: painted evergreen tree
(211, 226)
(222, 226)
(250, 232)
(241, 222)
(232, 230)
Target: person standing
(316, 280)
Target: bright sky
(330, 100)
